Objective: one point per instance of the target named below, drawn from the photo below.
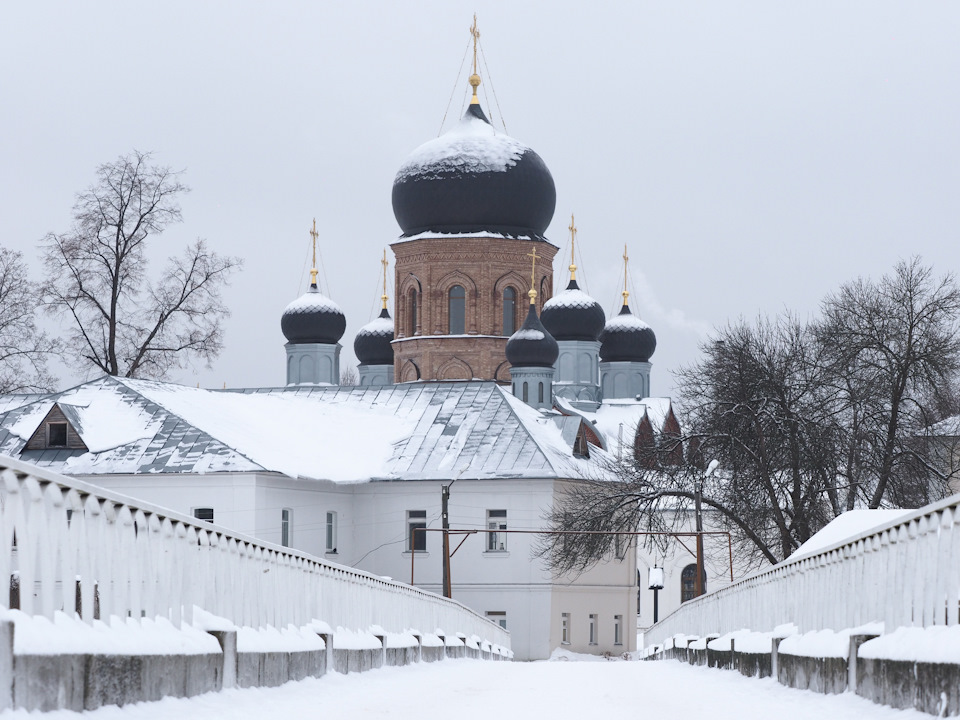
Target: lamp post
(697, 492)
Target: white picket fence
(131, 559)
(903, 573)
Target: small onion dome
(532, 345)
(372, 344)
(571, 314)
(313, 318)
(627, 338)
(474, 179)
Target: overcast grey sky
(752, 155)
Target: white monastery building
(502, 401)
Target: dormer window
(56, 434)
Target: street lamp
(697, 492)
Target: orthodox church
(467, 395)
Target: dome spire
(313, 268)
(573, 240)
(383, 298)
(475, 78)
(626, 259)
(533, 275)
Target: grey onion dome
(372, 343)
(532, 345)
(313, 318)
(627, 338)
(474, 179)
(571, 314)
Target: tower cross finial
(573, 240)
(475, 78)
(383, 297)
(626, 259)
(313, 268)
(533, 275)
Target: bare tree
(121, 322)
(24, 349)
(348, 377)
(807, 420)
(893, 354)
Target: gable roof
(428, 430)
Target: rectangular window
(499, 617)
(203, 514)
(565, 628)
(416, 541)
(618, 629)
(331, 545)
(593, 629)
(56, 434)
(286, 517)
(496, 520)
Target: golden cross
(313, 269)
(533, 274)
(573, 240)
(474, 79)
(384, 262)
(626, 259)
(476, 36)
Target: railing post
(855, 642)
(228, 644)
(6, 664)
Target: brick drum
(426, 270)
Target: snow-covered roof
(612, 415)
(409, 431)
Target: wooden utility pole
(445, 524)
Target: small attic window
(580, 446)
(56, 434)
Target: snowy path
(470, 689)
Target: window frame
(565, 628)
(497, 616)
(286, 526)
(496, 521)
(618, 629)
(331, 527)
(66, 434)
(416, 519)
(594, 634)
(199, 513)
(510, 313)
(461, 315)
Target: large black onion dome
(474, 179)
(532, 345)
(571, 314)
(627, 338)
(313, 318)
(372, 343)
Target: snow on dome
(532, 345)
(627, 338)
(474, 179)
(571, 314)
(473, 146)
(312, 301)
(570, 298)
(372, 343)
(626, 322)
(313, 318)
(378, 326)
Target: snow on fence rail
(70, 546)
(903, 573)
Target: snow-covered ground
(468, 689)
